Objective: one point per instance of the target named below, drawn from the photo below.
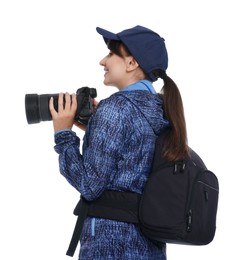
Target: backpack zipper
(209, 186)
(190, 212)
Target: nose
(102, 62)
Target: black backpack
(178, 204)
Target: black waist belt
(114, 205)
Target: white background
(50, 46)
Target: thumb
(79, 125)
(51, 108)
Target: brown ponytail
(176, 147)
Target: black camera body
(37, 106)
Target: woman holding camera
(118, 145)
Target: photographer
(119, 140)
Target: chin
(107, 83)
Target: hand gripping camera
(37, 106)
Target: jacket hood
(150, 105)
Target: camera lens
(37, 107)
(31, 106)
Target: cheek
(118, 72)
(115, 76)
(119, 69)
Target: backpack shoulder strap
(158, 159)
(196, 159)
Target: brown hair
(114, 46)
(175, 146)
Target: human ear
(132, 64)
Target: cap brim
(107, 35)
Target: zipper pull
(189, 221)
(183, 167)
(179, 167)
(206, 195)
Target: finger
(95, 103)
(73, 102)
(60, 102)
(51, 107)
(67, 101)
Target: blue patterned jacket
(117, 153)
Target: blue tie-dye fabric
(117, 152)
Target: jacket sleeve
(93, 170)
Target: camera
(37, 106)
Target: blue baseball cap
(146, 46)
